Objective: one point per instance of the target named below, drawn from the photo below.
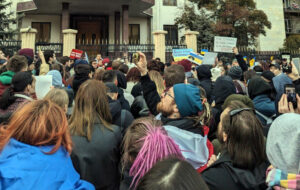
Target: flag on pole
(252, 61)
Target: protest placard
(209, 58)
(42, 85)
(180, 54)
(296, 62)
(76, 54)
(195, 58)
(224, 44)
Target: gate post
(28, 36)
(160, 44)
(191, 40)
(69, 41)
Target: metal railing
(10, 47)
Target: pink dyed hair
(157, 146)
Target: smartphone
(290, 91)
(135, 57)
(286, 57)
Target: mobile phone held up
(290, 91)
(135, 58)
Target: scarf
(280, 180)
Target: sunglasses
(235, 112)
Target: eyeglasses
(235, 112)
(166, 93)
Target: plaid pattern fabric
(280, 180)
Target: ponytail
(7, 98)
(157, 145)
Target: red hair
(38, 123)
(187, 65)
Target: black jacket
(204, 76)
(150, 94)
(124, 103)
(139, 107)
(242, 62)
(97, 160)
(116, 113)
(222, 175)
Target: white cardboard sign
(43, 85)
(224, 44)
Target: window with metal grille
(43, 31)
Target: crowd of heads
(152, 125)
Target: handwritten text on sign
(224, 44)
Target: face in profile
(167, 103)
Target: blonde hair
(158, 80)
(58, 96)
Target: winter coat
(5, 80)
(204, 76)
(150, 93)
(97, 160)
(223, 175)
(116, 113)
(24, 166)
(78, 80)
(139, 107)
(124, 103)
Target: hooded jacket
(97, 160)
(5, 80)
(116, 113)
(23, 166)
(259, 92)
(223, 175)
(224, 87)
(204, 76)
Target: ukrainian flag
(252, 61)
(195, 58)
(203, 51)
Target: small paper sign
(209, 58)
(42, 85)
(224, 44)
(76, 54)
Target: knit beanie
(235, 72)
(56, 78)
(242, 98)
(26, 51)
(283, 147)
(268, 75)
(188, 100)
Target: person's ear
(116, 82)
(204, 100)
(224, 137)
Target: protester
(112, 76)
(121, 117)
(172, 75)
(204, 75)
(158, 80)
(28, 53)
(171, 174)
(46, 65)
(19, 93)
(96, 141)
(236, 74)
(240, 60)
(260, 92)
(187, 65)
(124, 69)
(34, 146)
(82, 74)
(283, 152)
(145, 143)
(56, 78)
(59, 97)
(133, 77)
(15, 64)
(242, 163)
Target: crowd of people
(141, 125)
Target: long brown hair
(91, 103)
(245, 140)
(38, 123)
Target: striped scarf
(280, 180)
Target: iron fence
(11, 47)
(113, 51)
(56, 47)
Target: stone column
(28, 36)
(65, 17)
(117, 27)
(159, 38)
(125, 30)
(69, 42)
(191, 40)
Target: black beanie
(268, 75)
